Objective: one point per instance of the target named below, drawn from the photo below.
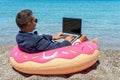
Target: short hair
(23, 17)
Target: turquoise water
(101, 18)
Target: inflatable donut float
(63, 60)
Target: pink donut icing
(68, 52)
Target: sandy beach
(106, 68)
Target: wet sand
(106, 68)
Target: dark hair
(23, 17)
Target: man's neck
(26, 30)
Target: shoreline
(106, 68)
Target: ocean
(100, 18)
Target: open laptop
(71, 26)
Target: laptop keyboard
(63, 38)
(65, 35)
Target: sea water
(100, 18)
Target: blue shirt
(32, 42)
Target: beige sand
(106, 68)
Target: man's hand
(58, 36)
(69, 38)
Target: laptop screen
(72, 25)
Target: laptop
(71, 26)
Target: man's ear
(28, 23)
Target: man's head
(25, 20)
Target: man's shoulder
(28, 34)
